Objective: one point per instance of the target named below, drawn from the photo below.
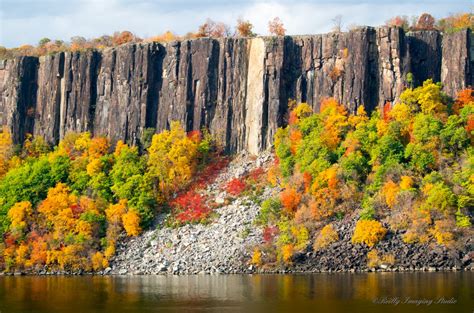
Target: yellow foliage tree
(172, 159)
(256, 257)
(6, 149)
(131, 223)
(99, 262)
(406, 182)
(335, 121)
(369, 232)
(390, 191)
(327, 236)
(18, 215)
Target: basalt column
(123, 83)
(457, 66)
(18, 86)
(78, 92)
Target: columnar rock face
(238, 88)
(126, 81)
(47, 112)
(457, 70)
(392, 67)
(78, 92)
(425, 53)
(18, 99)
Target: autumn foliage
(276, 27)
(408, 164)
(68, 208)
(368, 232)
(235, 186)
(190, 207)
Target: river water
(368, 292)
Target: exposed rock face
(47, 113)
(391, 44)
(424, 55)
(79, 92)
(18, 99)
(126, 85)
(457, 70)
(238, 88)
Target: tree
(337, 23)
(125, 36)
(456, 22)
(276, 27)
(78, 43)
(368, 232)
(6, 150)
(131, 223)
(220, 30)
(19, 216)
(213, 29)
(43, 41)
(165, 37)
(399, 21)
(172, 160)
(425, 22)
(244, 28)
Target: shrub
(269, 233)
(287, 253)
(374, 259)
(368, 232)
(406, 182)
(256, 257)
(131, 223)
(269, 212)
(235, 187)
(462, 220)
(327, 236)
(418, 231)
(390, 191)
(99, 262)
(190, 207)
(290, 198)
(443, 232)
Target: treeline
(65, 209)
(408, 168)
(214, 29)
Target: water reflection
(237, 293)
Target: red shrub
(256, 174)
(307, 180)
(269, 233)
(195, 135)
(470, 124)
(9, 240)
(190, 207)
(76, 210)
(235, 187)
(209, 173)
(386, 111)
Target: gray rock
(123, 271)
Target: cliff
(238, 88)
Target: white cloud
(92, 18)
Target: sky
(27, 21)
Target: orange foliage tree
(244, 28)
(276, 27)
